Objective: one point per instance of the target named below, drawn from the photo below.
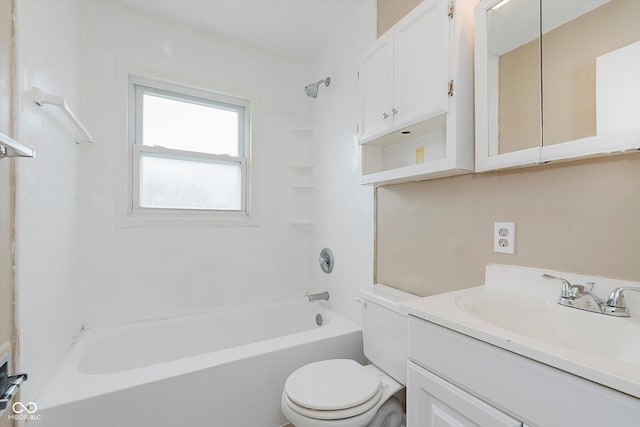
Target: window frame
(138, 86)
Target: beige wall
(436, 236)
(569, 67)
(568, 73)
(391, 11)
(519, 99)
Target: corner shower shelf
(303, 224)
(303, 166)
(303, 187)
(301, 179)
(303, 131)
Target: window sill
(186, 219)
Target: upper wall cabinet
(556, 80)
(416, 100)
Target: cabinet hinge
(451, 9)
(358, 75)
(450, 88)
(358, 128)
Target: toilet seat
(334, 414)
(389, 387)
(332, 385)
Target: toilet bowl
(344, 393)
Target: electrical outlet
(504, 237)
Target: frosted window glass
(182, 125)
(189, 184)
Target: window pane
(189, 184)
(183, 125)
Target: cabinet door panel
(422, 64)
(433, 402)
(376, 89)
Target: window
(189, 152)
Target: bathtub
(221, 369)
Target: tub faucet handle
(315, 297)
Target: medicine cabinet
(416, 96)
(555, 80)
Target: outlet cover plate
(504, 237)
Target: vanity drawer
(523, 388)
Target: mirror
(556, 79)
(513, 76)
(590, 68)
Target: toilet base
(390, 414)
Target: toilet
(344, 393)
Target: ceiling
(290, 28)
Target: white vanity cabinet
(416, 96)
(456, 380)
(434, 402)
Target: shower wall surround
(344, 209)
(145, 272)
(49, 299)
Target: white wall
(344, 208)
(133, 273)
(48, 56)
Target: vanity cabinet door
(421, 47)
(376, 89)
(433, 402)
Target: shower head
(312, 89)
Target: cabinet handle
(385, 116)
(394, 111)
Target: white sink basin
(546, 321)
(517, 310)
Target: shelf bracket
(41, 98)
(9, 147)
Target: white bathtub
(222, 369)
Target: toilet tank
(384, 329)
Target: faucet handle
(566, 291)
(616, 298)
(616, 305)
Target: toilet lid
(337, 414)
(331, 385)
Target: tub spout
(315, 297)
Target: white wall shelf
(9, 147)
(428, 170)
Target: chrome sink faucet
(582, 298)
